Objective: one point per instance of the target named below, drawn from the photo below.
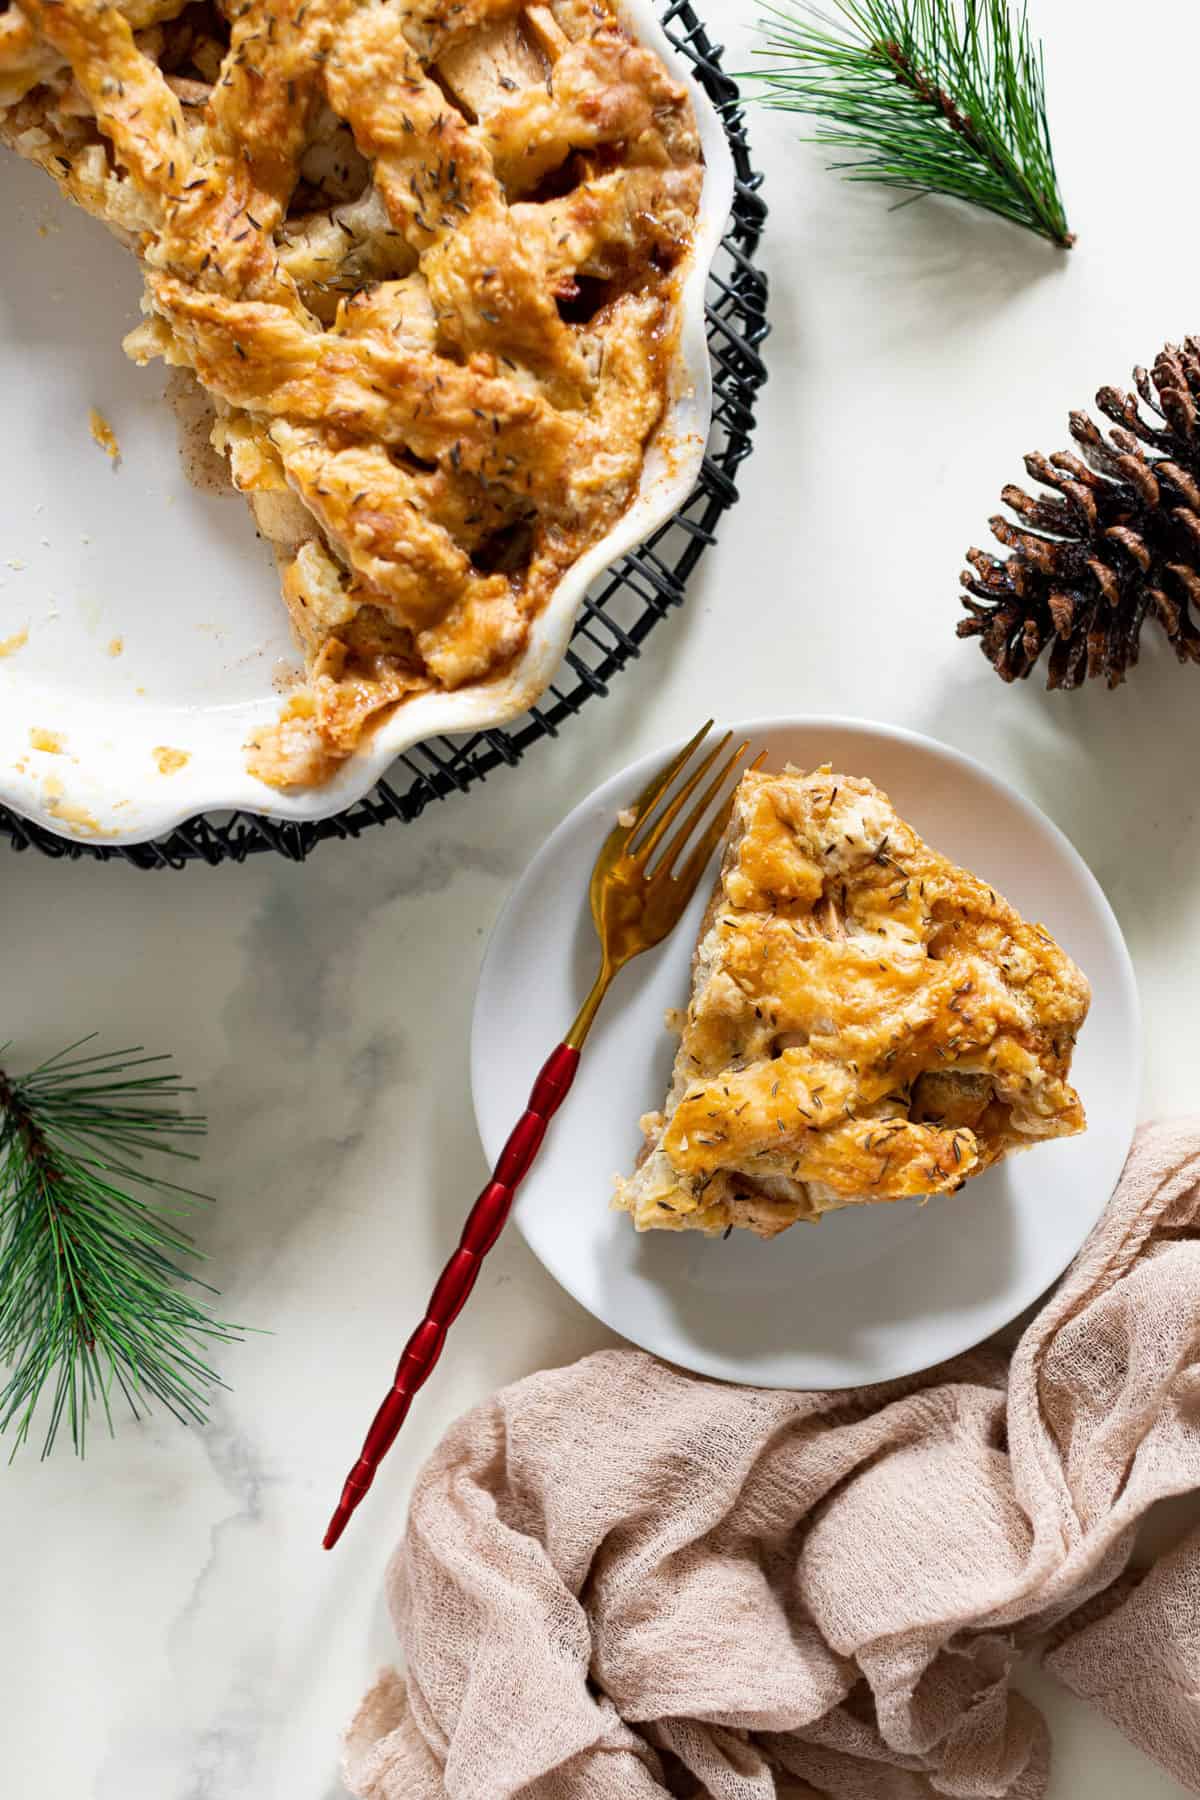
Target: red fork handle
(485, 1222)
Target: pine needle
(929, 96)
(95, 1294)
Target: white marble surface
(172, 1629)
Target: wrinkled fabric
(620, 1581)
(1140, 1662)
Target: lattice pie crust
(868, 1022)
(423, 256)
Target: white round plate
(139, 615)
(872, 1292)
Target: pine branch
(94, 1291)
(931, 96)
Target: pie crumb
(116, 646)
(170, 761)
(52, 742)
(71, 814)
(10, 645)
(104, 435)
(627, 817)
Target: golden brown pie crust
(423, 256)
(868, 1022)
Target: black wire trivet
(620, 609)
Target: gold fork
(637, 898)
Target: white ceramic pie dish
(139, 615)
(872, 1292)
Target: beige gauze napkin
(620, 1581)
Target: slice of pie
(423, 256)
(868, 1022)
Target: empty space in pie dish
(146, 609)
(94, 548)
(142, 636)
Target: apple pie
(868, 1022)
(423, 256)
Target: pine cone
(1118, 541)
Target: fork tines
(652, 820)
